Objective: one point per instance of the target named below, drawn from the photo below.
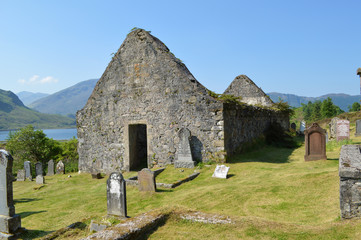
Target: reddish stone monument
(315, 143)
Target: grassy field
(271, 193)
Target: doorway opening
(138, 153)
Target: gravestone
(50, 168)
(40, 179)
(184, 155)
(350, 181)
(60, 168)
(326, 137)
(293, 126)
(302, 126)
(96, 176)
(116, 195)
(21, 175)
(28, 170)
(333, 128)
(220, 171)
(10, 222)
(39, 168)
(358, 128)
(146, 180)
(342, 130)
(315, 143)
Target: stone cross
(343, 130)
(315, 143)
(60, 168)
(184, 155)
(358, 128)
(21, 175)
(116, 195)
(50, 168)
(350, 181)
(146, 180)
(39, 169)
(28, 172)
(9, 221)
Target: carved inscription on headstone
(343, 130)
(220, 171)
(60, 168)
(358, 127)
(39, 168)
(9, 221)
(315, 143)
(146, 180)
(184, 155)
(50, 168)
(116, 195)
(28, 170)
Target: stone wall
(243, 123)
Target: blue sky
(308, 48)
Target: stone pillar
(116, 195)
(359, 73)
(10, 222)
(184, 155)
(350, 181)
(358, 128)
(28, 172)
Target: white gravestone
(220, 171)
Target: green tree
(355, 107)
(69, 155)
(32, 145)
(316, 111)
(328, 109)
(307, 110)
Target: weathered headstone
(146, 180)
(333, 128)
(28, 170)
(343, 130)
(50, 168)
(326, 136)
(10, 222)
(116, 195)
(21, 175)
(302, 126)
(60, 168)
(40, 179)
(315, 143)
(184, 155)
(39, 168)
(358, 128)
(350, 181)
(220, 171)
(293, 126)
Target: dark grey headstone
(9, 221)
(358, 128)
(184, 155)
(96, 176)
(39, 168)
(60, 168)
(350, 181)
(50, 168)
(116, 195)
(146, 180)
(293, 126)
(28, 170)
(40, 179)
(21, 175)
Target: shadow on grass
(230, 175)
(164, 190)
(25, 200)
(332, 159)
(31, 234)
(26, 214)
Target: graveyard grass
(271, 193)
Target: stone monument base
(184, 164)
(9, 226)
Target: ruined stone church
(146, 95)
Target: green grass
(271, 193)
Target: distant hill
(339, 99)
(29, 97)
(67, 101)
(14, 115)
